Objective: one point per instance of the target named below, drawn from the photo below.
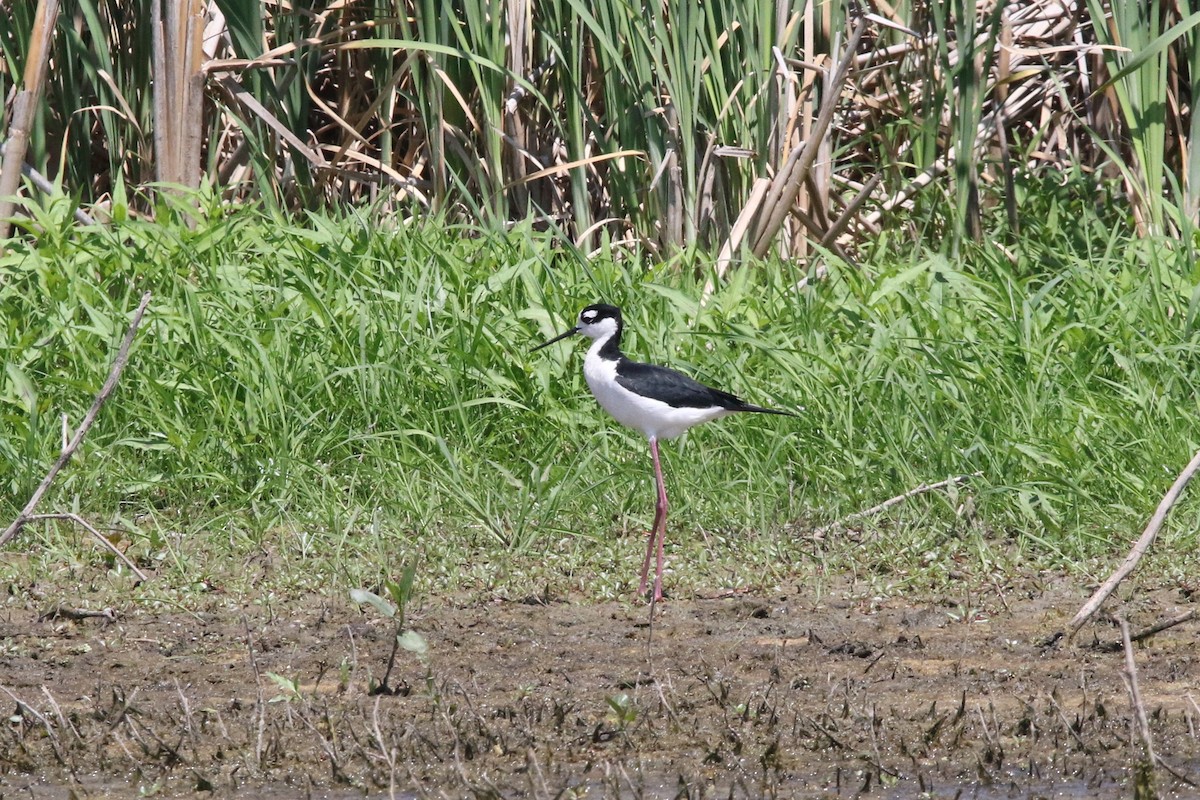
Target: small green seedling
(623, 710)
(290, 689)
(413, 642)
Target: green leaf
(244, 21)
(366, 598)
(1152, 50)
(290, 688)
(413, 642)
(894, 283)
(25, 395)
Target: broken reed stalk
(99, 537)
(1143, 786)
(1159, 627)
(787, 183)
(113, 376)
(24, 109)
(1140, 546)
(43, 184)
(177, 61)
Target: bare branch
(1139, 710)
(101, 538)
(24, 108)
(1159, 627)
(110, 384)
(59, 611)
(1139, 548)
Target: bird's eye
(588, 316)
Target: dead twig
(68, 451)
(389, 753)
(24, 109)
(101, 538)
(1139, 548)
(886, 504)
(51, 733)
(1067, 725)
(1144, 781)
(43, 184)
(824, 731)
(1159, 627)
(63, 722)
(1144, 775)
(63, 612)
(260, 705)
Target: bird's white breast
(654, 418)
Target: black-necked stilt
(659, 402)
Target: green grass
(344, 395)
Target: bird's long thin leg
(662, 523)
(659, 531)
(660, 511)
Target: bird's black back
(663, 383)
(678, 390)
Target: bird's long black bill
(558, 338)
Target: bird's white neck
(598, 345)
(606, 347)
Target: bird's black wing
(674, 388)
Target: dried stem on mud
(114, 375)
(1144, 782)
(59, 611)
(387, 751)
(1139, 548)
(260, 705)
(1159, 627)
(819, 533)
(99, 537)
(56, 745)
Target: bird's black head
(596, 322)
(596, 317)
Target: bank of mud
(746, 696)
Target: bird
(658, 401)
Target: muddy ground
(790, 695)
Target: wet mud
(783, 695)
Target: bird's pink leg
(658, 513)
(658, 532)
